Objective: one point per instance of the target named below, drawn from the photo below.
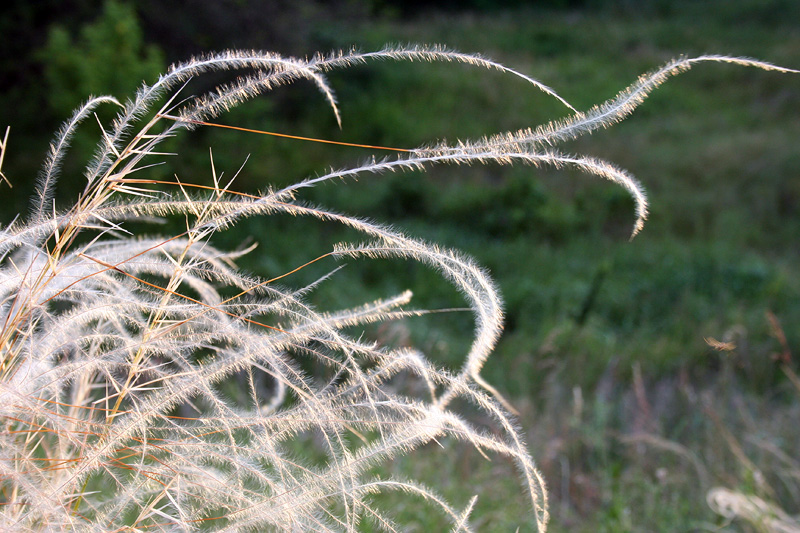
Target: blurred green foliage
(108, 57)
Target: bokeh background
(645, 372)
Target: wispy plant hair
(108, 339)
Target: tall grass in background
(147, 383)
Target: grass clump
(148, 383)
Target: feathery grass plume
(109, 339)
(762, 515)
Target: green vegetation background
(605, 340)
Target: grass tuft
(148, 383)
